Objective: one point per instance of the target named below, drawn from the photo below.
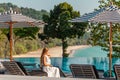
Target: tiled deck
(16, 77)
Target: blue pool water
(95, 51)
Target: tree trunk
(64, 54)
(64, 48)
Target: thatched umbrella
(109, 15)
(12, 19)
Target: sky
(84, 6)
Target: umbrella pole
(11, 41)
(110, 53)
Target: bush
(31, 45)
(19, 48)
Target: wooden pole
(110, 53)
(11, 41)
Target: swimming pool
(101, 63)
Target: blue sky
(84, 6)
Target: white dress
(51, 71)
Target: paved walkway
(15, 77)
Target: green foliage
(2, 36)
(58, 25)
(43, 37)
(20, 48)
(33, 13)
(2, 9)
(100, 36)
(104, 3)
(6, 6)
(26, 32)
(31, 45)
(23, 46)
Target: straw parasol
(12, 19)
(108, 15)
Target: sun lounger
(84, 71)
(116, 68)
(16, 68)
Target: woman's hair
(44, 51)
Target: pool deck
(16, 77)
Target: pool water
(101, 63)
(93, 51)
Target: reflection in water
(56, 62)
(100, 63)
(65, 65)
(88, 60)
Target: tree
(100, 33)
(104, 3)
(59, 27)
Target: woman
(46, 64)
